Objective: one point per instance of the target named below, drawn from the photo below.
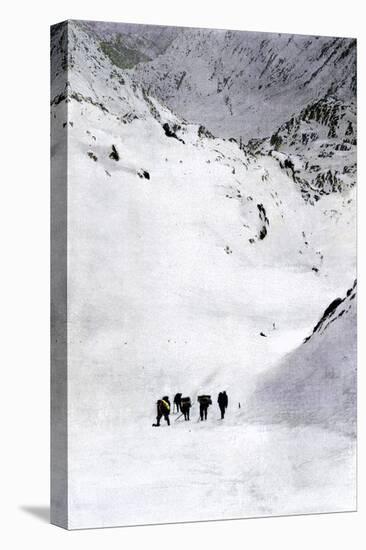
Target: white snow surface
(316, 381)
(169, 288)
(205, 471)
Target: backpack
(165, 405)
(186, 401)
(205, 399)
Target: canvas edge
(59, 337)
(58, 312)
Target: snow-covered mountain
(131, 156)
(247, 84)
(316, 383)
(317, 148)
(194, 264)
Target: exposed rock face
(317, 147)
(326, 118)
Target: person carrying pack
(177, 402)
(163, 410)
(223, 401)
(185, 406)
(205, 401)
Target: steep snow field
(193, 267)
(317, 381)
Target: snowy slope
(247, 84)
(182, 251)
(317, 382)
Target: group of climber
(184, 404)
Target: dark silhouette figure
(205, 401)
(223, 402)
(163, 410)
(185, 406)
(177, 402)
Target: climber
(163, 410)
(223, 401)
(177, 402)
(185, 406)
(205, 401)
